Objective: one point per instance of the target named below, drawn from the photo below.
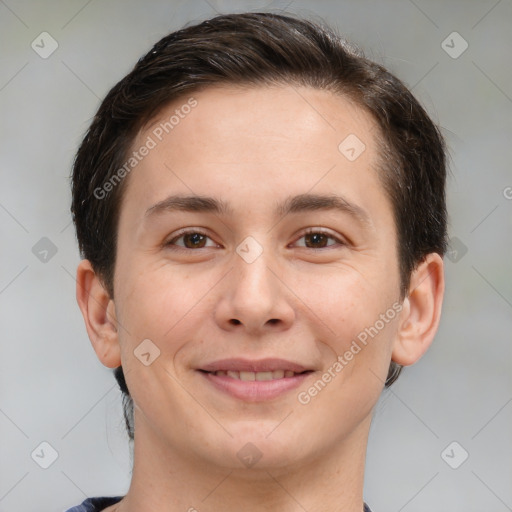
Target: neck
(168, 480)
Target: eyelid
(185, 231)
(340, 241)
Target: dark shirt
(98, 504)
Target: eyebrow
(189, 204)
(292, 205)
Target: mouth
(254, 381)
(253, 376)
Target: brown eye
(194, 240)
(318, 240)
(191, 240)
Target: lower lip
(255, 390)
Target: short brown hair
(254, 49)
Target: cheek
(347, 299)
(158, 317)
(358, 310)
(151, 297)
(362, 320)
(165, 305)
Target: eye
(312, 239)
(318, 239)
(191, 240)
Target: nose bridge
(254, 283)
(254, 297)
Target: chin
(258, 445)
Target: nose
(254, 299)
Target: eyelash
(309, 231)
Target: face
(258, 257)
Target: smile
(254, 381)
(259, 376)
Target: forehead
(255, 141)
(280, 111)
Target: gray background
(52, 387)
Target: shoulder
(95, 504)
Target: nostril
(234, 321)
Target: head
(188, 102)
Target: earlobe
(421, 313)
(98, 310)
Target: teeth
(250, 376)
(264, 376)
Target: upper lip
(260, 365)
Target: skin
(253, 148)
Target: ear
(98, 310)
(421, 312)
